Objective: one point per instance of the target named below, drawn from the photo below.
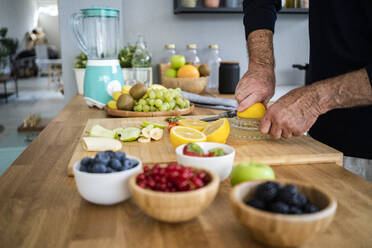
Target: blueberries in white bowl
(107, 162)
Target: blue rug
(7, 157)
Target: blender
(97, 33)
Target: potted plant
(79, 69)
(8, 48)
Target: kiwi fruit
(125, 102)
(204, 70)
(138, 90)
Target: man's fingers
(276, 131)
(247, 102)
(265, 125)
(286, 133)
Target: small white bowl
(221, 165)
(105, 188)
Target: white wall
(51, 28)
(19, 16)
(155, 20)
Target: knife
(227, 114)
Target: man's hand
(292, 115)
(257, 85)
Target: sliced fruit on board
(182, 135)
(217, 131)
(129, 133)
(196, 124)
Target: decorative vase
(79, 77)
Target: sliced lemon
(182, 135)
(217, 131)
(196, 124)
(125, 89)
(116, 95)
(112, 104)
(256, 111)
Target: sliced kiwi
(204, 70)
(137, 91)
(125, 102)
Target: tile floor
(36, 96)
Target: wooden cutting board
(298, 150)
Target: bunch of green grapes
(161, 100)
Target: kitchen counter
(40, 206)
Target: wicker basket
(193, 85)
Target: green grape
(178, 90)
(176, 108)
(139, 108)
(153, 109)
(159, 94)
(145, 108)
(145, 96)
(152, 102)
(152, 94)
(187, 105)
(172, 104)
(164, 107)
(167, 96)
(180, 102)
(158, 103)
(142, 102)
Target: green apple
(250, 171)
(171, 73)
(177, 61)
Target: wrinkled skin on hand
(257, 85)
(292, 115)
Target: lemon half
(217, 131)
(182, 135)
(256, 111)
(196, 124)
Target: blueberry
(102, 157)
(115, 164)
(256, 204)
(288, 194)
(99, 168)
(267, 192)
(294, 210)
(310, 208)
(110, 153)
(86, 161)
(83, 168)
(127, 164)
(121, 156)
(279, 207)
(109, 170)
(134, 163)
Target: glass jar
(191, 55)
(169, 51)
(214, 66)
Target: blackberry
(310, 208)
(267, 192)
(299, 200)
(279, 207)
(295, 210)
(256, 204)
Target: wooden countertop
(40, 206)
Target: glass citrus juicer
(97, 33)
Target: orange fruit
(188, 71)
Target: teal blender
(97, 32)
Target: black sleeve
(260, 14)
(369, 72)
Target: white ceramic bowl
(105, 188)
(221, 165)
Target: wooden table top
(40, 206)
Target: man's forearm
(347, 90)
(260, 49)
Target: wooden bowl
(175, 206)
(193, 85)
(279, 229)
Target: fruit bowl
(220, 165)
(105, 188)
(175, 206)
(283, 230)
(193, 85)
